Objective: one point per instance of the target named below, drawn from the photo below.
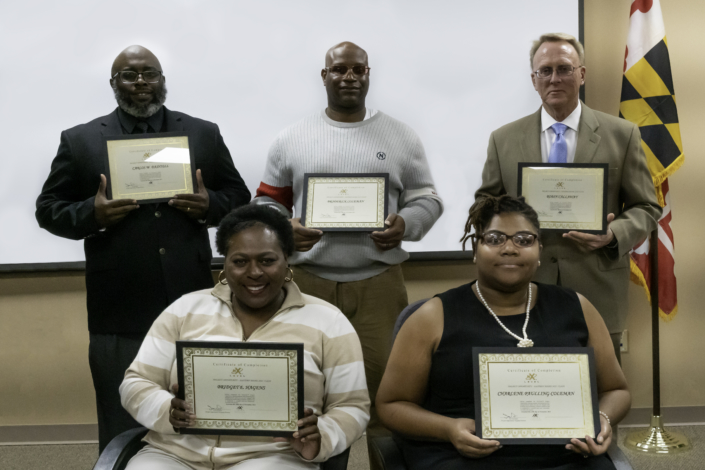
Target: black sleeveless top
(556, 320)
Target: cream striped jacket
(334, 374)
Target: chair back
(406, 313)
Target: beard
(140, 110)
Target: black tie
(141, 127)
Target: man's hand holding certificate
(194, 205)
(588, 241)
(109, 212)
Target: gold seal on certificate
(149, 169)
(345, 202)
(546, 396)
(566, 196)
(253, 389)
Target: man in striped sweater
(356, 271)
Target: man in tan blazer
(596, 266)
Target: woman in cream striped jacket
(256, 300)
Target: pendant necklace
(524, 342)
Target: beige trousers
(151, 458)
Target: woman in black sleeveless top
(427, 392)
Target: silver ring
(171, 413)
(188, 209)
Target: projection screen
(452, 70)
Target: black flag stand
(656, 439)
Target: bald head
(347, 80)
(140, 87)
(132, 54)
(344, 47)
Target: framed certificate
(252, 389)
(345, 202)
(535, 395)
(149, 169)
(566, 196)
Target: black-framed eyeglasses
(562, 71)
(130, 76)
(497, 238)
(358, 70)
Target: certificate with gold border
(149, 169)
(535, 395)
(566, 196)
(250, 389)
(345, 202)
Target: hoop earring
(474, 259)
(221, 280)
(291, 275)
(539, 262)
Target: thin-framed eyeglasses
(562, 71)
(130, 76)
(358, 70)
(497, 238)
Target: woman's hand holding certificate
(463, 437)
(180, 414)
(307, 440)
(593, 446)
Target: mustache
(140, 110)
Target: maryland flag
(648, 100)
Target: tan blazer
(602, 138)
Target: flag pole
(656, 439)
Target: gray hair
(557, 37)
(139, 110)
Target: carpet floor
(83, 456)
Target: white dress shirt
(570, 135)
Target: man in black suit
(139, 257)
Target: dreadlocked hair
(486, 207)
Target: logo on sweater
(381, 155)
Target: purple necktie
(559, 149)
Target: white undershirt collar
(571, 121)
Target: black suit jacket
(136, 268)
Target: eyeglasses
(129, 76)
(358, 70)
(562, 71)
(520, 239)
